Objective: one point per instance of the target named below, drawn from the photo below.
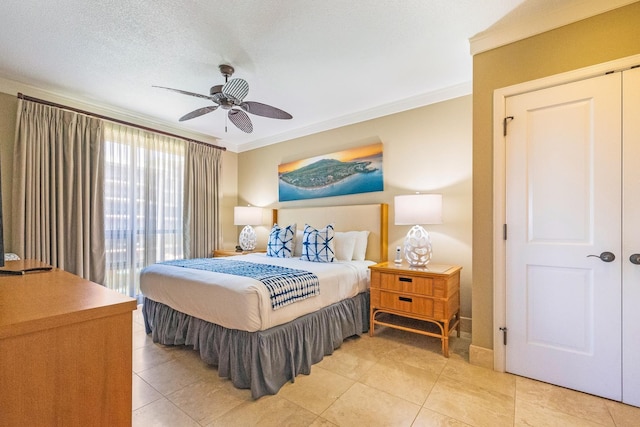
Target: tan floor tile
(346, 364)
(459, 347)
(419, 357)
(321, 422)
(267, 411)
(400, 337)
(140, 338)
(161, 413)
(471, 404)
(481, 377)
(138, 327)
(368, 347)
(143, 393)
(205, 400)
(624, 415)
(149, 356)
(401, 380)
(170, 376)
(365, 406)
(581, 405)
(317, 391)
(138, 316)
(191, 359)
(428, 418)
(528, 414)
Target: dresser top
(46, 299)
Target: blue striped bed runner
(285, 285)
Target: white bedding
(243, 303)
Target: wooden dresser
(430, 294)
(65, 351)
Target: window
(144, 185)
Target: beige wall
(8, 110)
(427, 149)
(603, 38)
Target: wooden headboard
(374, 218)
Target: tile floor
(393, 379)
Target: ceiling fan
(230, 96)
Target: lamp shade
(247, 215)
(416, 209)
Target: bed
(256, 340)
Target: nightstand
(429, 294)
(222, 252)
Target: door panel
(631, 238)
(559, 213)
(577, 287)
(563, 203)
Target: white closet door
(631, 238)
(563, 197)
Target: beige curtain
(203, 171)
(58, 214)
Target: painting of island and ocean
(357, 170)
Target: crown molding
(522, 22)
(12, 87)
(422, 100)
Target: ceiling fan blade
(265, 110)
(236, 88)
(241, 120)
(197, 113)
(184, 92)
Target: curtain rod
(122, 122)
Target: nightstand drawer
(411, 284)
(420, 306)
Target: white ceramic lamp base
(417, 247)
(247, 238)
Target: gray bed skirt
(265, 360)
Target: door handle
(608, 257)
(635, 259)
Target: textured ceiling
(328, 63)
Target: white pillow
(344, 244)
(360, 250)
(281, 241)
(297, 247)
(318, 245)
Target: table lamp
(247, 216)
(416, 210)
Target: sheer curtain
(144, 182)
(58, 194)
(202, 200)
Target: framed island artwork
(356, 170)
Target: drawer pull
(405, 279)
(405, 299)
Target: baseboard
(465, 324)
(481, 356)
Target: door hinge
(504, 335)
(504, 124)
(504, 231)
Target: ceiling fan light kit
(230, 96)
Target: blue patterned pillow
(281, 241)
(318, 245)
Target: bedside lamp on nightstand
(247, 216)
(418, 209)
